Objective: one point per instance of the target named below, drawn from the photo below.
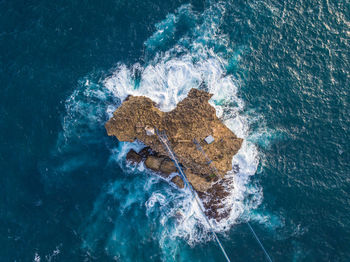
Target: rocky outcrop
(167, 166)
(153, 163)
(158, 163)
(133, 157)
(178, 181)
(193, 119)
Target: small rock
(133, 157)
(178, 181)
(167, 166)
(149, 130)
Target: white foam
(155, 197)
(36, 257)
(247, 161)
(166, 83)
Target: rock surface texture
(192, 119)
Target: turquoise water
(279, 73)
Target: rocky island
(203, 145)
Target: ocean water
(279, 72)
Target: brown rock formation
(178, 181)
(153, 162)
(133, 157)
(193, 118)
(167, 166)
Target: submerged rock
(193, 119)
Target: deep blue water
(280, 75)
